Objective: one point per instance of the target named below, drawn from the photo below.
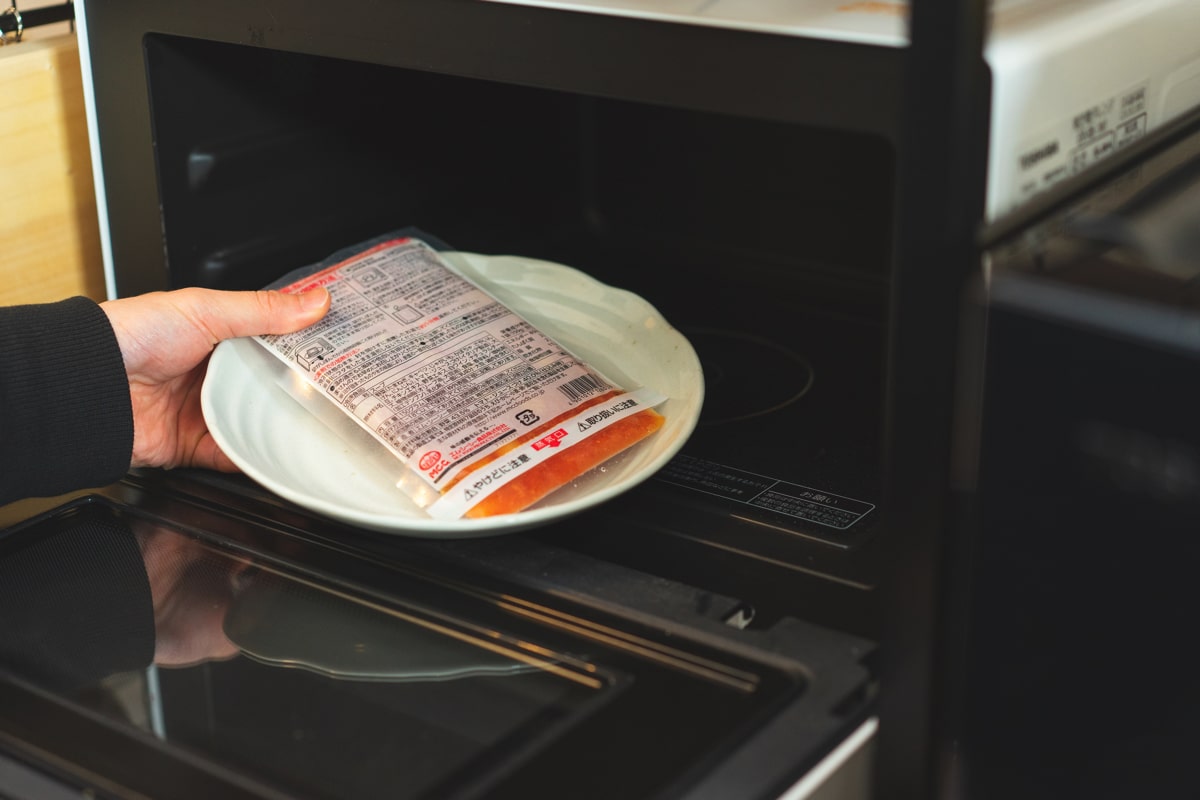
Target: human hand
(166, 339)
(192, 588)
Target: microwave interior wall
(766, 242)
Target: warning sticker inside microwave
(790, 499)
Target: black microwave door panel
(173, 645)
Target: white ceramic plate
(288, 450)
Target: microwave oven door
(1082, 560)
(181, 635)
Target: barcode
(581, 387)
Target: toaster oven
(800, 604)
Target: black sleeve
(75, 603)
(66, 420)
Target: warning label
(790, 499)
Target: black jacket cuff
(65, 409)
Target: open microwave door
(183, 637)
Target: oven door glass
(185, 646)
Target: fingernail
(313, 299)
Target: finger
(210, 456)
(253, 313)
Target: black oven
(806, 212)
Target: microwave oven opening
(766, 242)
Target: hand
(192, 589)
(166, 339)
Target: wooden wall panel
(49, 234)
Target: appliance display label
(1081, 139)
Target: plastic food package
(476, 411)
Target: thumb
(254, 313)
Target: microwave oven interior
(765, 242)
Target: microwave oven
(812, 600)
